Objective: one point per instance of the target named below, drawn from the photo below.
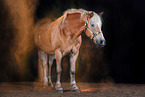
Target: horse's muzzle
(100, 43)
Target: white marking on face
(95, 23)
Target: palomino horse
(63, 37)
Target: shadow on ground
(35, 89)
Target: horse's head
(73, 18)
(93, 28)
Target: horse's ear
(87, 15)
(100, 14)
(90, 13)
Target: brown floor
(35, 89)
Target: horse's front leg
(73, 58)
(58, 57)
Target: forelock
(96, 18)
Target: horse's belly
(45, 45)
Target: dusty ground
(34, 89)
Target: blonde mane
(72, 11)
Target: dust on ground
(36, 89)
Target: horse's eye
(92, 25)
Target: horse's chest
(71, 46)
(67, 50)
(70, 49)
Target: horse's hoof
(76, 90)
(60, 91)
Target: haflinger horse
(63, 37)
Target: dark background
(122, 58)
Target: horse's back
(42, 24)
(46, 32)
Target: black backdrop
(123, 28)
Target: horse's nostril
(101, 42)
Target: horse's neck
(73, 26)
(79, 32)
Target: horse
(63, 37)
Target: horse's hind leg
(73, 58)
(58, 57)
(43, 61)
(51, 59)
